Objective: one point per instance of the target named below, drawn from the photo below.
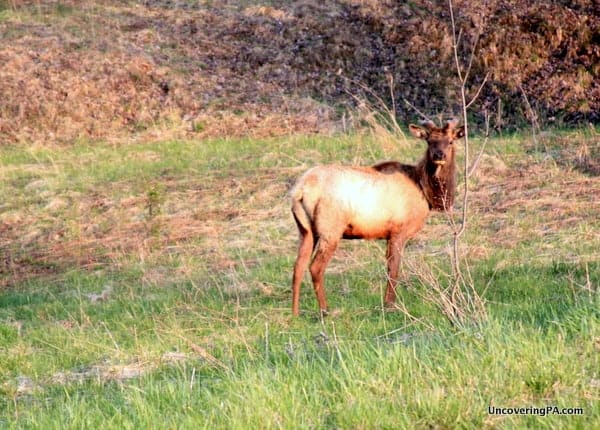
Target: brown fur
(388, 201)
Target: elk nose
(438, 155)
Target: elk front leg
(395, 245)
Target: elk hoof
(391, 307)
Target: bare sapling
(454, 293)
(466, 306)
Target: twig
(203, 353)
(455, 41)
(473, 49)
(389, 115)
(421, 114)
(392, 97)
(485, 141)
(476, 96)
(465, 304)
(535, 126)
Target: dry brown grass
(205, 218)
(158, 69)
(230, 220)
(112, 69)
(119, 229)
(539, 201)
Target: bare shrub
(454, 293)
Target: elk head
(438, 167)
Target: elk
(389, 200)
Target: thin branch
(460, 33)
(455, 41)
(472, 56)
(535, 125)
(465, 167)
(421, 114)
(458, 278)
(485, 141)
(391, 85)
(476, 96)
(467, 305)
(390, 117)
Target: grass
(147, 286)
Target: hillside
(105, 69)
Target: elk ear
(417, 131)
(459, 132)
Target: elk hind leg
(305, 249)
(324, 251)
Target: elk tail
(300, 211)
(306, 246)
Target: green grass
(191, 327)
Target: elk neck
(438, 183)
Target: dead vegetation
(108, 69)
(227, 223)
(561, 198)
(110, 226)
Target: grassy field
(147, 285)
